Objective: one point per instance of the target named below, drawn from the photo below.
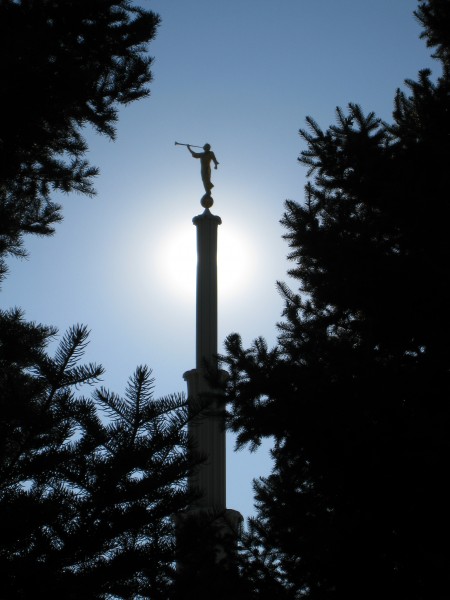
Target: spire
(208, 430)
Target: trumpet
(192, 145)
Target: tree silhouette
(64, 65)
(355, 394)
(88, 487)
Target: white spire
(207, 431)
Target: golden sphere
(207, 201)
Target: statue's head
(206, 147)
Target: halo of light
(177, 262)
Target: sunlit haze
(175, 263)
(242, 76)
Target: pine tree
(88, 487)
(355, 394)
(64, 65)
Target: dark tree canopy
(356, 392)
(88, 487)
(64, 65)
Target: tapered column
(208, 429)
(206, 323)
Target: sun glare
(234, 263)
(177, 263)
(178, 266)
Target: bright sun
(234, 262)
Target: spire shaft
(208, 430)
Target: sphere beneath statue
(207, 201)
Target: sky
(241, 75)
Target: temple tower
(208, 430)
(209, 514)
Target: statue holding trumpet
(206, 158)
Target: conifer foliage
(88, 486)
(64, 65)
(355, 395)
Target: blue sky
(241, 75)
